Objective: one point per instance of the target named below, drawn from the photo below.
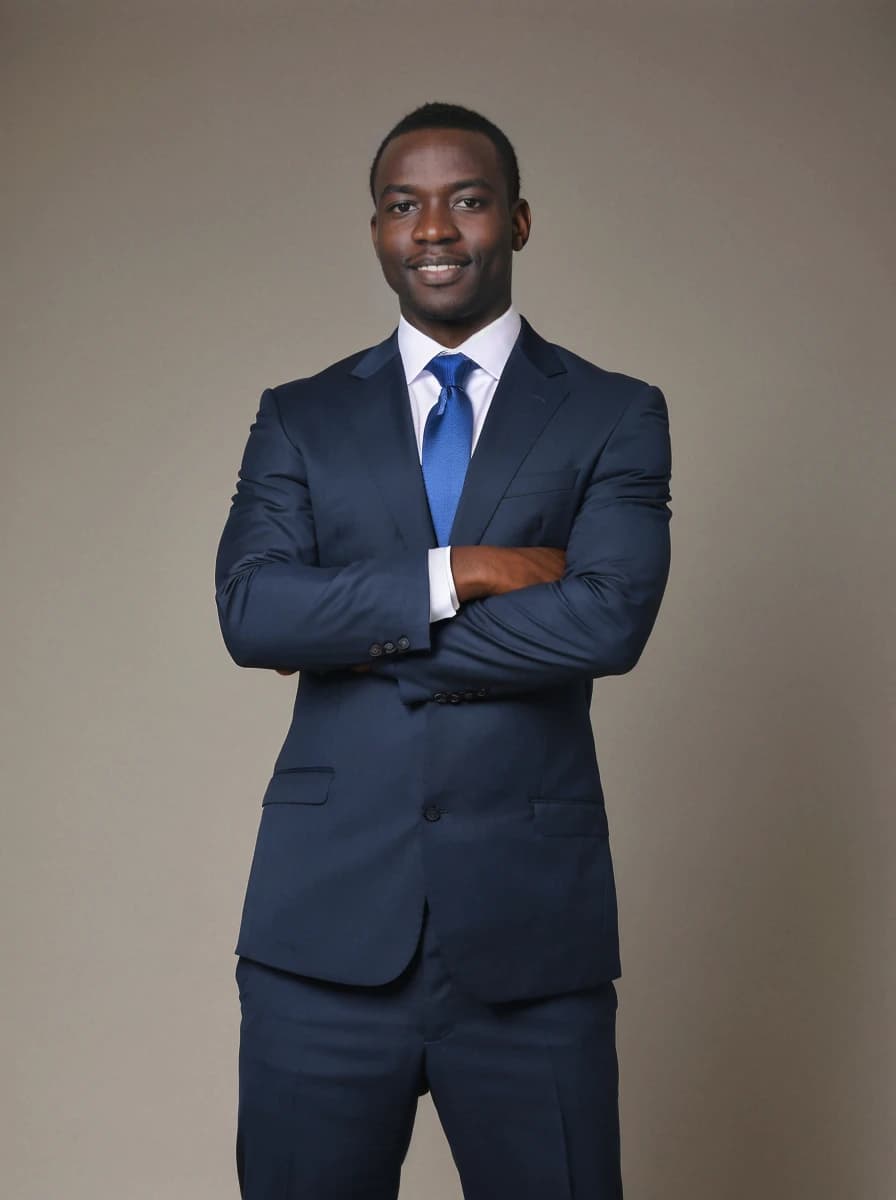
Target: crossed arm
(529, 618)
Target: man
(431, 903)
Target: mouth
(438, 272)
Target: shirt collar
(489, 347)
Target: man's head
(447, 219)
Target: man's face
(444, 231)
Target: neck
(452, 333)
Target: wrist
(471, 568)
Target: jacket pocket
(528, 482)
(299, 785)
(570, 818)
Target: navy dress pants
(329, 1077)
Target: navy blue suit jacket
(462, 767)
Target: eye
(472, 201)
(404, 205)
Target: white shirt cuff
(443, 601)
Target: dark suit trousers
(330, 1074)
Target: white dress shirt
(489, 348)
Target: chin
(451, 308)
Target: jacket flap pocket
(528, 482)
(570, 818)
(299, 785)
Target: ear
(373, 231)
(521, 224)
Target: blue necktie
(447, 439)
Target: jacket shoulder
(589, 374)
(320, 381)
(308, 406)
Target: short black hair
(436, 115)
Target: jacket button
(440, 697)
(432, 812)
(403, 642)
(389, 647)
(376, 650)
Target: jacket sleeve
(595, 620)
(277, 606)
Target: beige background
(712, 190)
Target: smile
(440, 272)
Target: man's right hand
(492, 570)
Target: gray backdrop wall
(186, 223)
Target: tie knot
(451, 370)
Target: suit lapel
(382, 420)
(532, 386)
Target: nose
(435, 224)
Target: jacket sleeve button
(376, 650)
(389, 647)
(403, 642)
(440, 698)
(482, 691)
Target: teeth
(439, 267)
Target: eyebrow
(476, 181)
